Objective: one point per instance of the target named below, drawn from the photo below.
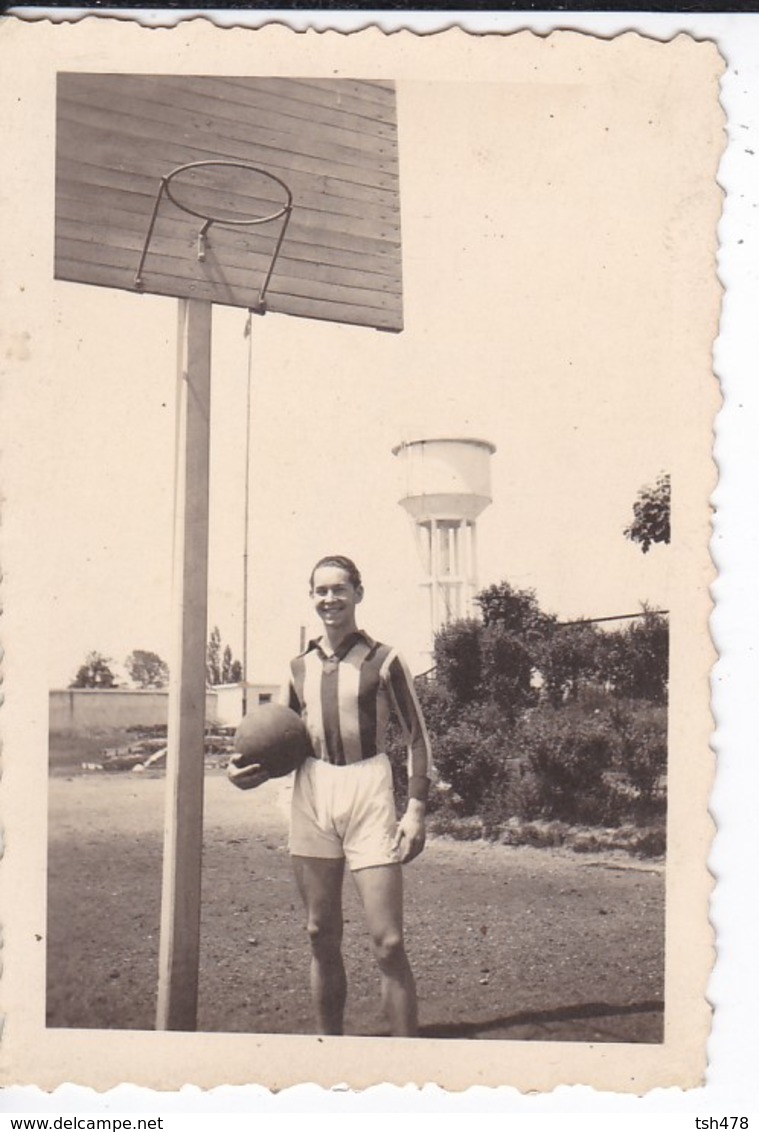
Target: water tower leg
(435, 574)
(462, 568)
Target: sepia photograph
(369, 402)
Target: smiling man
(345, 687)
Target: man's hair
(343, 563)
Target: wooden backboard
(333, 142)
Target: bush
(635, 660)
(568, 662)
(567, 760)
(506, 671)
(471, 756)
(589, 751)
(642, 754)
(458, 660)
(439, 708)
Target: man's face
(335, 597)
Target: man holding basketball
(345, 686)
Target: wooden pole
(246, 522)
(183, 830)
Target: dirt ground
(506, 943)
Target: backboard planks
(364, 255)
(333, 142)
(323, 151)
(297, 277)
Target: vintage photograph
(373, 414)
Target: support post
(246, 522)
(435, 573)
(183, 828)
(462, 568)
(473, 567)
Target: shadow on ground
(532, 1018)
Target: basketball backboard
(331, 142)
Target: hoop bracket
(282, 213)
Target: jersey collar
(345, 646)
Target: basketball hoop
(166, 186)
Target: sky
(540, 263)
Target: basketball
(274, 736)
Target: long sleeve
(288, 697)
(400, 686)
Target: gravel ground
(505, 943)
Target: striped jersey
(345, 699)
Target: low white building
(98, 709)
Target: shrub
(642, 754)
(438, 706)
(506, 671)
(635, 660)
(593, 754)
(471, 756)
(568, 661)
(458, 660)
(567, 760)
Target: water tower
(446, 487)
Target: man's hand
(409, 839)
(245, 777)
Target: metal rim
(280, 212)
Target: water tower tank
(446, 486)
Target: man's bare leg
(381, 892)
(320, 882)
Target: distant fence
(95, 709)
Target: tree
(507, 665)
(516, 610)
(651, 512)
(568, 657)
(147, 669)
(213, 657)
(514, 639)
(221, 667)
(492, 661)
(635, 660)
(231, 669)
(94, 673)
(458, 660)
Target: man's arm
(411, 828)
(411, 833)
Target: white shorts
(345, 812)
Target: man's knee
(325, 937)
(389, 950)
